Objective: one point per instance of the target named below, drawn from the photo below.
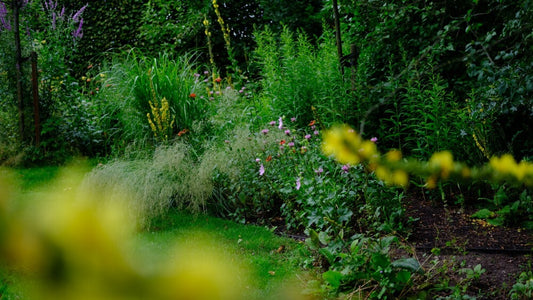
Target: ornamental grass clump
(169, 178)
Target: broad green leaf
(408, 263)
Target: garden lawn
(261, 263)
(268, 265)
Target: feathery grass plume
(154, 184)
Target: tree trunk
(18, 68)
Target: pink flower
(374, 139)
(257, 160)
(291, 144)
(319, 171)
(280, 125)
(316, 132)
(298, 184)
(264, 131)
(293, 119)
(261, 170)
(287, 132)
(272, 123)
(345, 168)
(307, 136)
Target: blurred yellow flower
(444, 161)
(393, 155)
(343, 144)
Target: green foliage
(366, 267)
(298, 78)
(172, 26)
(508, 207)
(110, 27)
(523, 288)
(283, 173)
(402, 41)
(129, 84)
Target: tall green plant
(299, 78)
(133, 82)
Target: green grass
(253, 248)
(260, 269)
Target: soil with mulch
(502, 251)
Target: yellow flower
(431, 182)
(504, 164)
(393, 155)
(341, 142)
(368, 150)
(444, 161)
(397, 177)
(400, 177)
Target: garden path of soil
(501, 251)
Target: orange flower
(269, 158)
(192, 95)
(218, 79)
(312, 123)
(282, 142)
(182, 132)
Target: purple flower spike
(261, 170)
(298, 183)
(280, 121)
(77, 15)
(78, 34)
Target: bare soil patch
(501, 251)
